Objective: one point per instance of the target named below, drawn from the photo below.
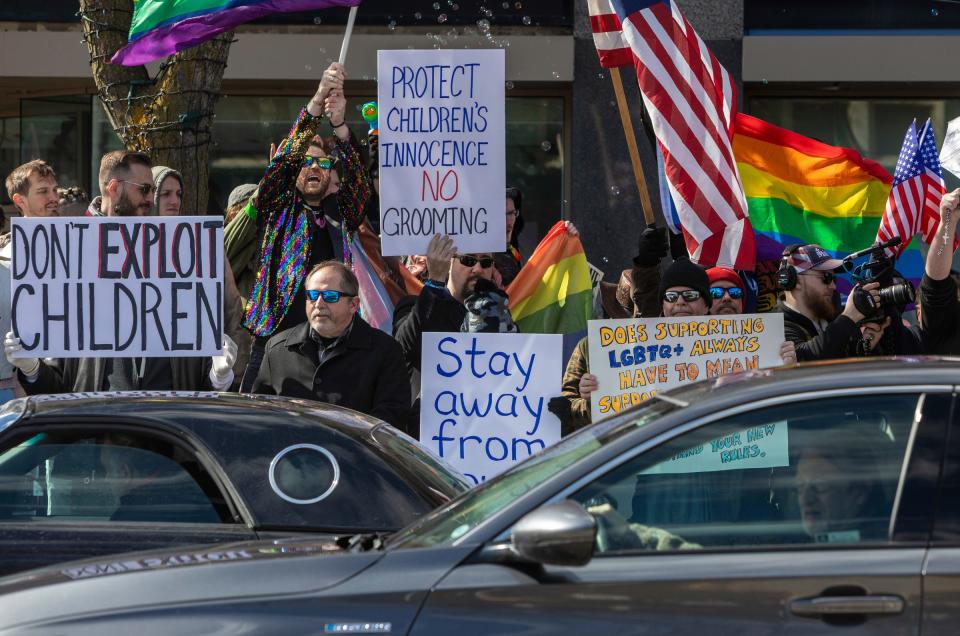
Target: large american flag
(691, 100)
(914, 203)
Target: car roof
(192, 409)
(822, 376)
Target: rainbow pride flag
(162, 27)
(552, 293)
(800, 190)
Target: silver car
(813, 500)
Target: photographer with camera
(810, 319)
(939, 305)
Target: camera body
(895, 294)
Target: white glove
(221, 369)
(28, 366)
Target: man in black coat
(336, 357)
(440, 306)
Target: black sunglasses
(717, 292)
(468, 260)
(329, 296)
(689, 295)
(826, 277)
(145, 188)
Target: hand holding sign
(11, 347)
(439, 253)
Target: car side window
(816, 472)
(118, 477)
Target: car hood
(155, 578)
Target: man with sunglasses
(126, 185)
(296, 219)
(726, 293)
(810, 318)
(451, 279)
(336, 357)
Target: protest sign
(484, 397)
(441, 148)
(765, 446)
(117, 287)
(636, 358)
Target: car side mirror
(558, 534)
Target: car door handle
(835, 605)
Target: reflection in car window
(823, 472)
(102, 477)
(465, 513)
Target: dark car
(94, 474)
(814, 500)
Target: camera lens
(897, 295)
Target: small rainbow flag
(552, 293)
(162, 27)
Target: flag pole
(632, 145)
(346, 36)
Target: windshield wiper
(373, 541)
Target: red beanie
(717, 274)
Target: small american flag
(690, 99)
(914, 203)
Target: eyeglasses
(689, 295)
(735, 293)
(146, 189)
(330, 296)
(826, 277)
(468, 260)
(324, 163)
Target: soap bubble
(546, 146)
(442, 18)
(418, 15)
(392, 25)
(934, 12)
(508, 85)
(615, 190)
(436, 6)
(526, 20)
(317, 21)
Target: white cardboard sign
(442, 149)
(483, 404)
(635, 358)
(117, 286)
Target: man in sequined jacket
(301, 215)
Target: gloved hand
(221, 368)
(678, 247)
(28, 366)
(560, 406)
(651, 247)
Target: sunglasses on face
(826, 277)
(146, 189)
(330, 296)
(324, 163)
(734, 292)
(688, 295)
(469, 261)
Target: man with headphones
(807, 276)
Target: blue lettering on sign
(464, 360)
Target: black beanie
(685, 273)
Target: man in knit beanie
(684, 290)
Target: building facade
(848, 72)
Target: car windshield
(414, 460)
(464, 514)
